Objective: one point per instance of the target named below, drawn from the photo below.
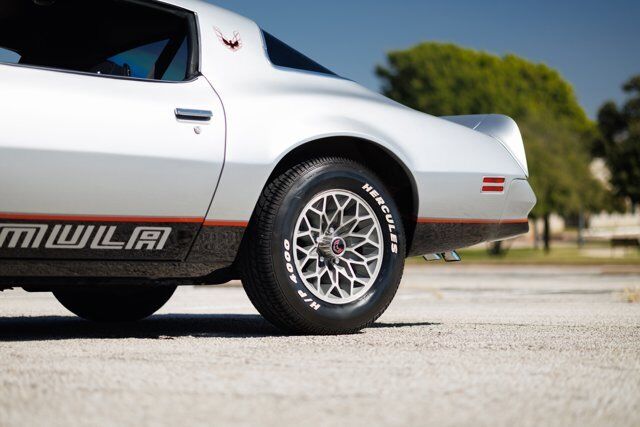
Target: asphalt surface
(459, 346)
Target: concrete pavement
(459, 346)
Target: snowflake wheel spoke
(338, 246)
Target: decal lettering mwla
(36, 236)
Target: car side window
(9, 56)
(131, 39)
(138, 62)
(283, 55)
(178, 66)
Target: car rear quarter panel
(269, 111)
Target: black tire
(121, 304)
(274, 285)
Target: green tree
(445, 79)
(619, 142)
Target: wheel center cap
(338, 246)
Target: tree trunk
(496, 249)
(536, 234)
(581, 229)
(547, 234)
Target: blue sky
(595, 44)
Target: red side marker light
(493, 184)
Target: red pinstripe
(470, 221)
(219, 223)
(213, 223)
(100, 218)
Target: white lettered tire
(325, 249)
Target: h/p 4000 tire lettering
(328, 250)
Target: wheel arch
(385, 164)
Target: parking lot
(461, 345)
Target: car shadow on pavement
(169, 326)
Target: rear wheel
(325, 249)
(122, 304)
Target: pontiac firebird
(151, 144)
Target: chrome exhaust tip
(451, 256)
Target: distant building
(615, 225)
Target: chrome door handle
(193, 115)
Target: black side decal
(79, 240)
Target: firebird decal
(232, 44)
(32, 236)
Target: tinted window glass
(178, 68)
(9, 56)
(141, 60)
(109, 37)
(284, 55)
